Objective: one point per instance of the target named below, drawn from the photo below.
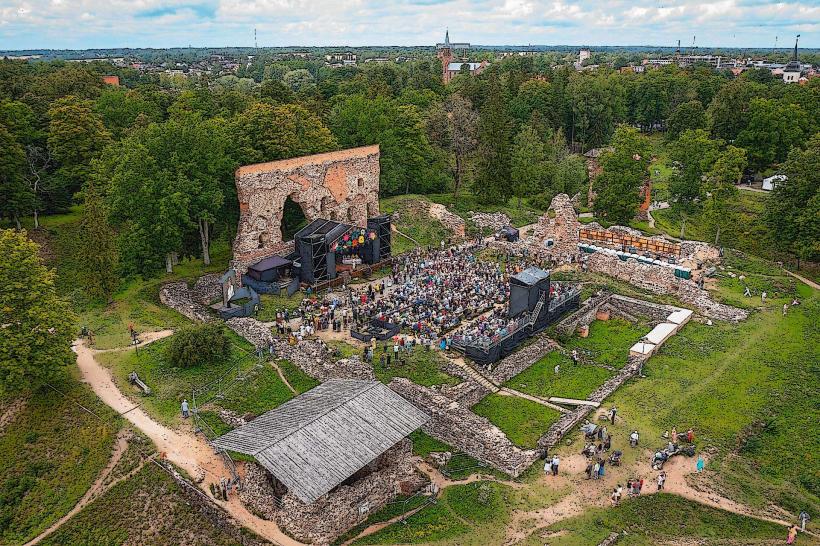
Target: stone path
(472, 373)
(803, 279)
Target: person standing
(785, 308)
(674, 435)
(804, 518)
(185, 412)
(548, 467)
(612, 413)
(700, 464)
(661, 480)
(596, 468)
(763, 297)
(633, 438)
(601, 464)
(557, 368)
(555, 461)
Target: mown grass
(572, 381)
(659, 519)
(526, 214)
(523, 421)
(460, 465)
(149, 508)
(423, 367)
(271, 303)
(50, 454)
(462, 509)
(749, 390)
(608, 342)
(400, 505)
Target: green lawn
(414, 221)
(460, 465)
(272, 303)
(421, 366)
(608, 342)
(466, 203)
(479, 509)
(50, 454)
(750, 391)
(149, 508)
(660, 519)
(572, 381)
(523, 421)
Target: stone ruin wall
(333, 514)
(459, 427)
(341, 186)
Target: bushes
(196, 345)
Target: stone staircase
(475, 375)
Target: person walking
(792, 534)
(555, 462)
(747, 292)
(185, 412)
(803, 518)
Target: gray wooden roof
(317, 440)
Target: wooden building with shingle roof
(316, 441)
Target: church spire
(795, 47)
(447, 37)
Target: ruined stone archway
(293, 218)
(342, 186)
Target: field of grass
(748, 390)
(421, 366)
(519, 216)
(572, 381)
(523, 421)
(149, 508)
(50, 454)
(608, 342)
(272, 303)
(660, 519)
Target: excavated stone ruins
(341, 186)
(321, 521)
(489, 222)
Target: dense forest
(151, 161)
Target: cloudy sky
(29, 24)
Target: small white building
(771, 183)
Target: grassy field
(572, 381)
(149, 508)
(413, 221)
(421, 366)
(749, 391)
(466, 203)
(608, 342)
(523, 421)
(50, 454)
(660, 519)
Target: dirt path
(96, 489)
(184, 449)
(804, 279)
(283, 378)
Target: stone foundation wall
(522, 359)
(654, 312)
(456, 425)
(559, 223)
(207, 289)
(180, 298)
(312, 356)
(342, 186)
(661, 280)
(584, 315)
(348, 505)
(468, 393)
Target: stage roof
(317, 440)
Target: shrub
(196, 345)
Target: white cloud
(161, 23)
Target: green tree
(793, 207)
(729, 108)
(570, 175)
(492, 183)
(97, 244)
(529, 168)
(36, 324)
(773, 128)
(687, 116)
(462, 135)
(299, 80)
(693, 153)
(625, 170)
(408, 161)
(198, 345)
(721, 190)
(268, 133)
(76, 136)
(17, 197)
(119, 109)
(275, 92)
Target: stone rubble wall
(322, 521)
(467, 432)
(451, 221)
(569, 420)
(584, 315)
(207, 289)
(655, 312)
(522, 359)
(208, 508)
(559, 223)
(179, 297)
(661, 280)
(468, 393)
(312, 356)
(490, 221)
